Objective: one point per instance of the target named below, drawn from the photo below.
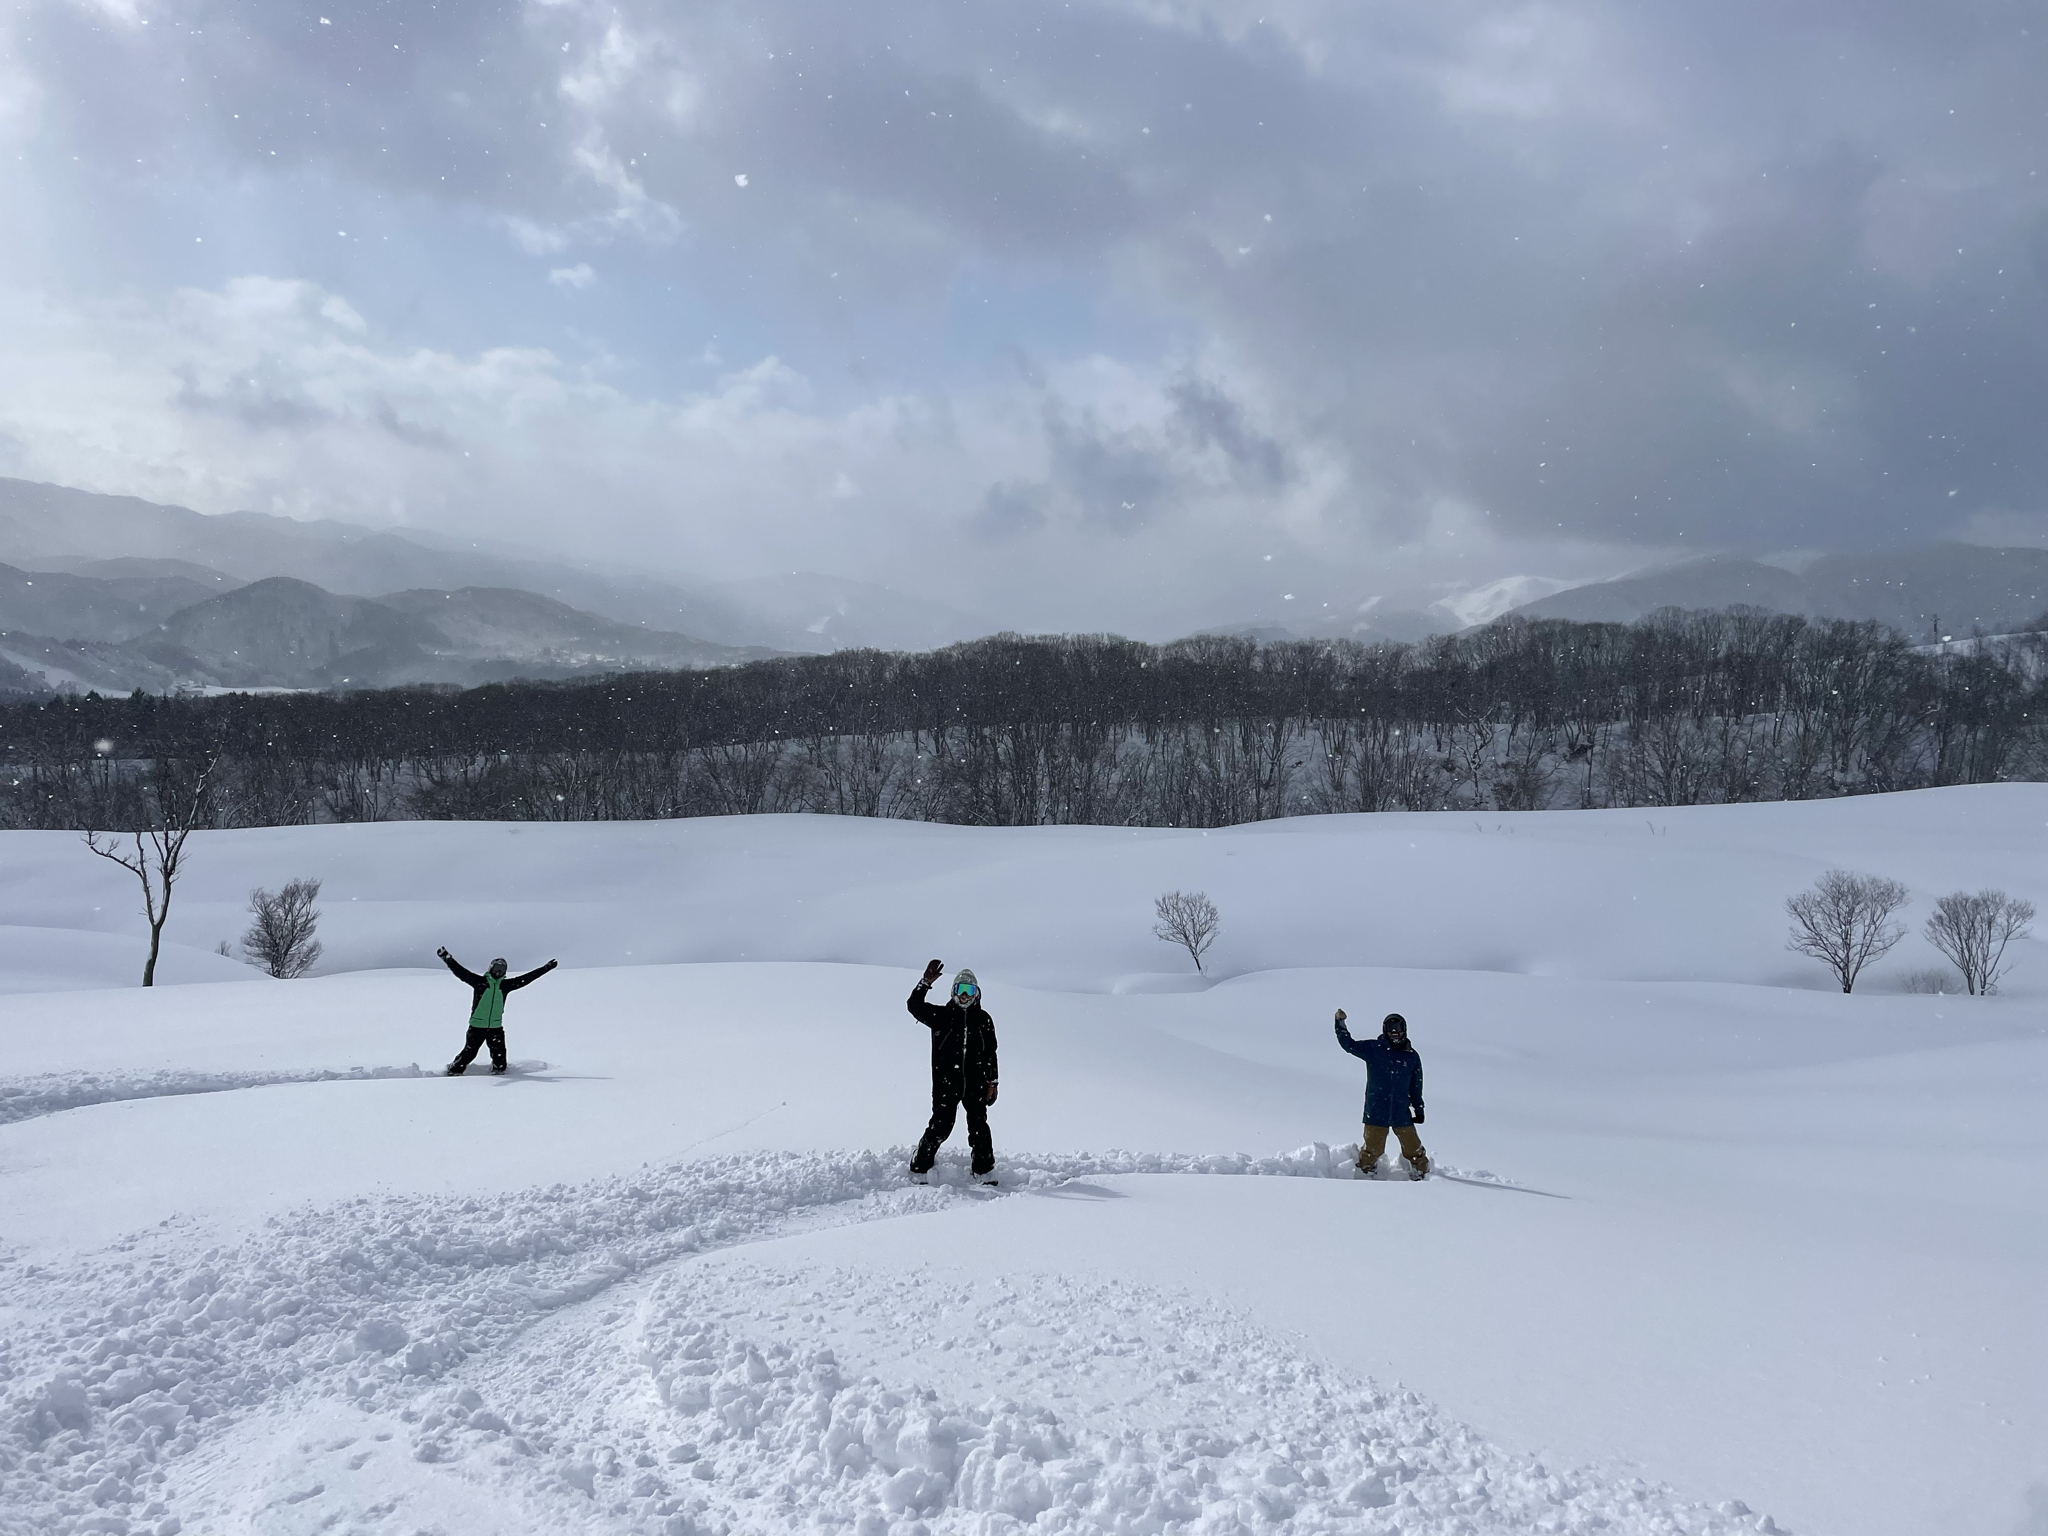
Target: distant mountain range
(48, 530)
(284, 633)
(1944, 589)
(1925, 593)
(96, 607)
(114, 593)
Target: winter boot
(499, 1066)
(1367, 1170)
(453, 1069)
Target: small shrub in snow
(1973, 931)
(1846, 921)
(281, 938)
(1931, 980)
(1189, 919)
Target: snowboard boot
(453, 1069)
(499, 1068)
(1367, 1170)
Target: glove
(991, 1093)
(1418, 1117)
(442, 952)
(931, 972)
(1341, 1015)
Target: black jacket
(963, 1039)
(476, 982)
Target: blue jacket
(1393, 1079)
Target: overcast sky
(1122, 315)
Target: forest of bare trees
(1682, 708)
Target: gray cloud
(261, 399)
(1211, 419)
(1447, 290)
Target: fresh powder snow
(1708, 1246)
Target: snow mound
(1041, 1402)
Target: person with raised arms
(963, 1070)
(486, 1009)
(1393, 1094)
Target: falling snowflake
(740, 180)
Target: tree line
(1680, 708)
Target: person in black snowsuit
(1393, 1094)
(963, 1068)
(486, 1009)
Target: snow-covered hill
(1710, 1241)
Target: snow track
(26, 1098)
(140, 1388)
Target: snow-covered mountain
(1960, 586)
(282, 633)
(74, 606)
(1963, 587)
(54, 528)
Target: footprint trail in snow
(574, 1359)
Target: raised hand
(1341, 1015)
(931, 971)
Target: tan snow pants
(1376, 1143)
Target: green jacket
(487, 1006)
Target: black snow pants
(477, 1038)
(947, 1097)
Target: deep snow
(1709, 1233)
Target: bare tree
(172, 814)
(281, 938)
(1845, 920)
(1973, 932)
(1189, 919)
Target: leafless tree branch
(173, 814)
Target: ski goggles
(966, 993)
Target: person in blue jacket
(1393, 1094)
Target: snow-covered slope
(1709, 1238)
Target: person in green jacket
(486, 1009)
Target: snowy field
(1714, 1248)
